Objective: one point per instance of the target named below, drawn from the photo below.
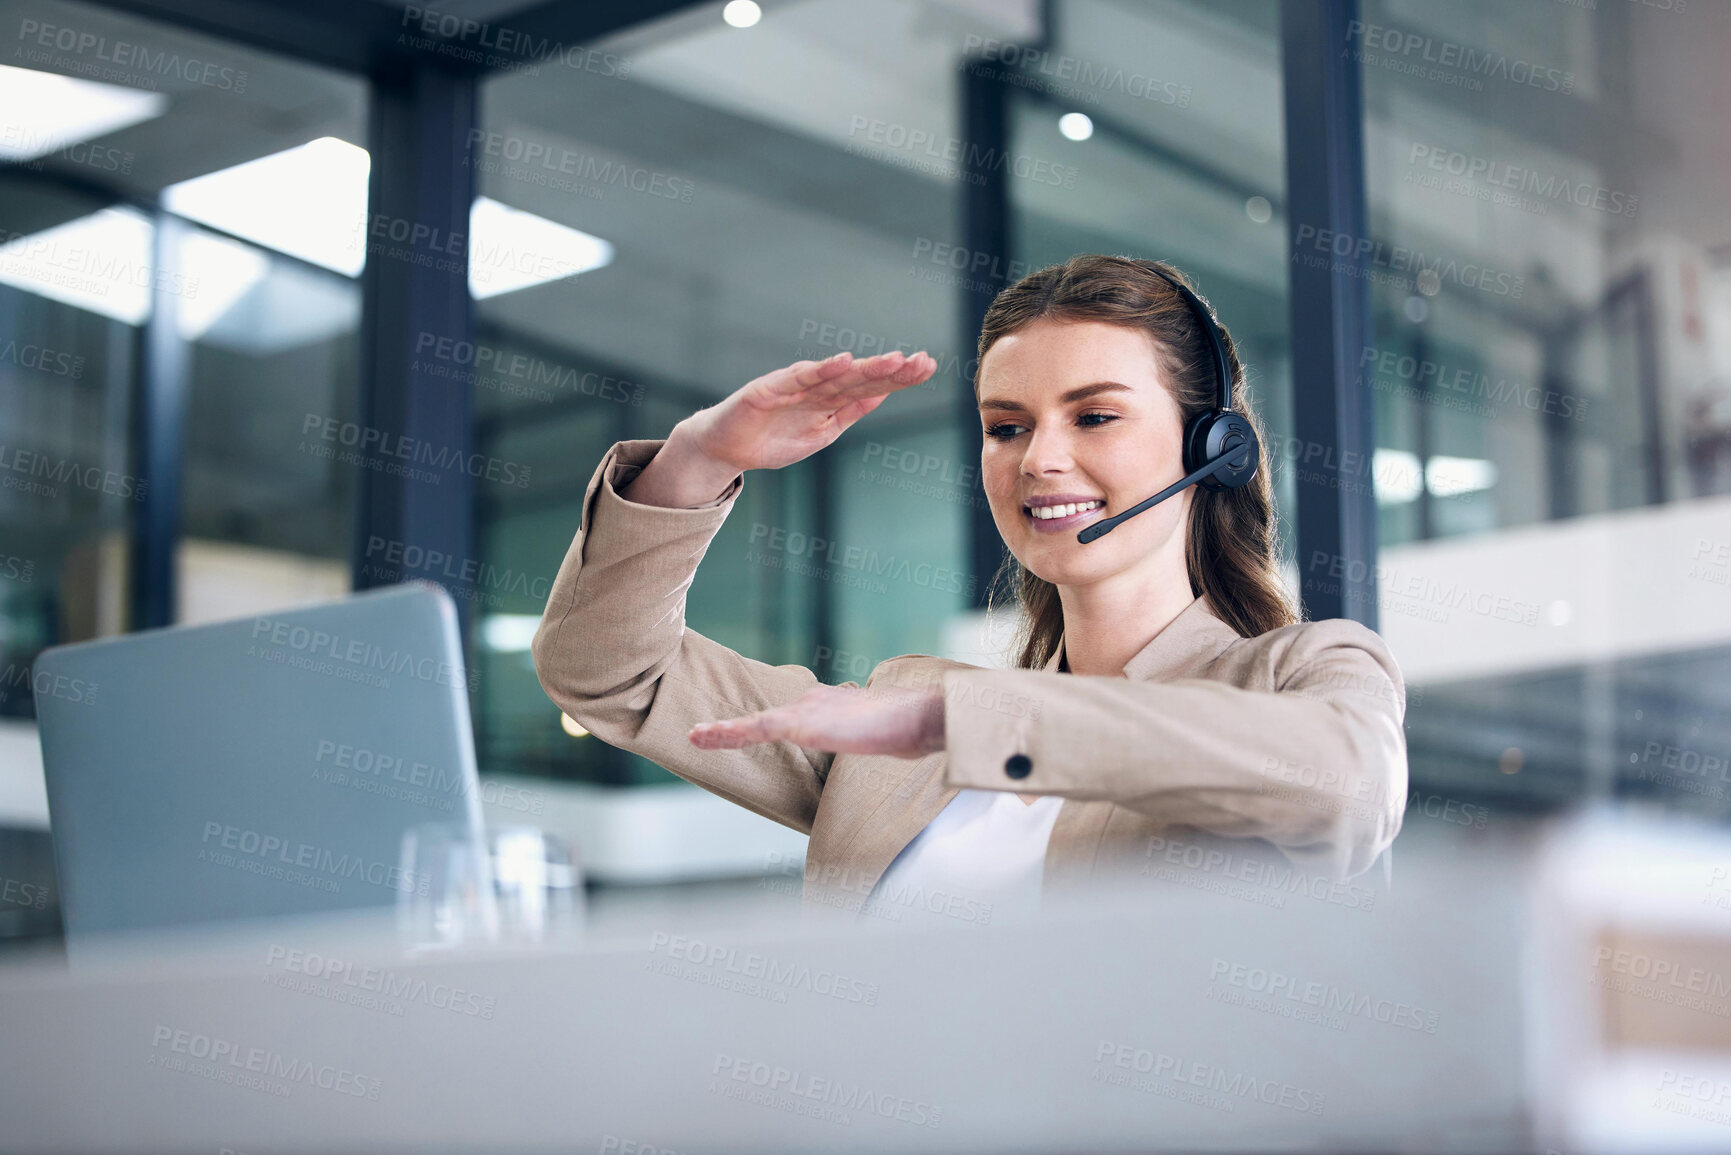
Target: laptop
(256, 768)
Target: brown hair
(1231, 545)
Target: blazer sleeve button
(1018, 765)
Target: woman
(1167, 710)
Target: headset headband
(1216, 348)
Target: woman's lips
(1060, 524)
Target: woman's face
(1078, 408)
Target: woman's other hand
(789, 414)
(845, 719)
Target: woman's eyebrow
(1075, 394)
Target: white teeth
(1048, 512)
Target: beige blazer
(1209, 751)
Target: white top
(982, 858)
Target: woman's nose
(1048, 450)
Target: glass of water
(538, 886)
(446, 897)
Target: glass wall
(1551, 368)
(747, 231)
(1548, 261)
(162, 181)
(67, 481)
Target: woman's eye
(1002, 432)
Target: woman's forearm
(680, 476)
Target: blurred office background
(198, 304)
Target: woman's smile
(1058, 518)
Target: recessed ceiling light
(742, 13)
(510, 249)
(309, 202)
(46, 112)
(101, 262)
(225, 271)
(1076, 125)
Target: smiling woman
(1125, 327)
(1213, 719)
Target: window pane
(747, 231)
(1550, 362)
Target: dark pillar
(159, 437)
(986, 225)
(417, 522)
(1330, 308)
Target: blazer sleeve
(614, 653)
(1316, 766)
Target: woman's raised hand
(789, 414)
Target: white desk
(1127, 1022)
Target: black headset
(1220, 446)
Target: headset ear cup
(1213, 435)
(1196, 440)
